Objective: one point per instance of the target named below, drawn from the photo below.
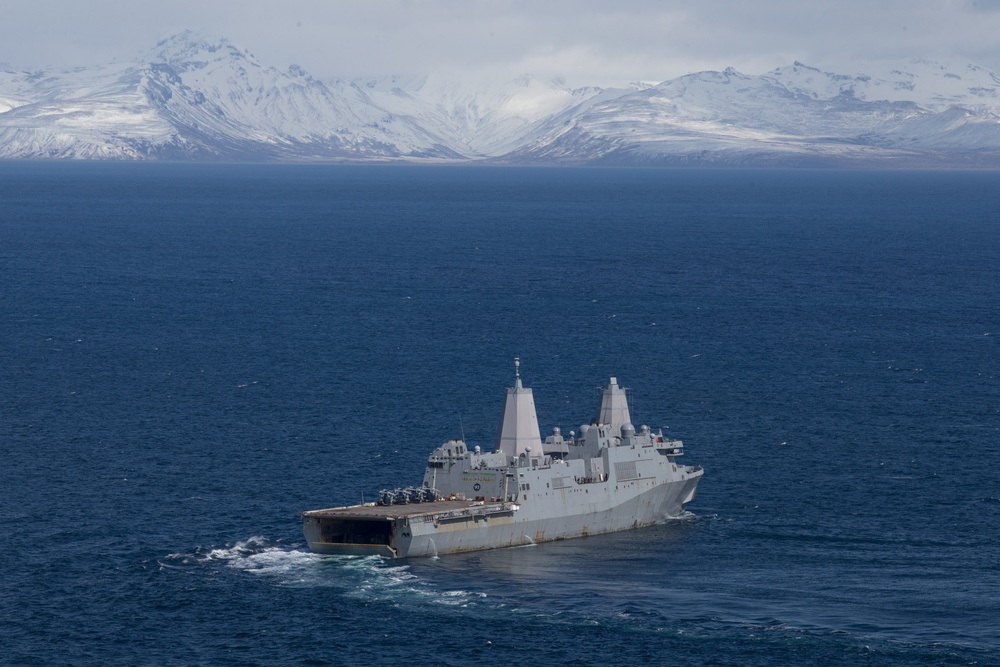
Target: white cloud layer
(586, 41)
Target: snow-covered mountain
(193, 99)
(923, 114)
(188, 99)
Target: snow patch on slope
(206, 99)
(932, 85)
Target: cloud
(984, 5)
(587, 41)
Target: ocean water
(193, 354)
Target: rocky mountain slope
(191, 99)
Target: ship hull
(491, 526)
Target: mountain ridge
(189, 98)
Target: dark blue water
(191, 355)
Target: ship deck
(410, 510)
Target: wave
(368, 578)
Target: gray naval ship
(606, 478)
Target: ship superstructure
(605, 478)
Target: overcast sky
(601, 42)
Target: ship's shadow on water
(550, 561)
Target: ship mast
(518, 433)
